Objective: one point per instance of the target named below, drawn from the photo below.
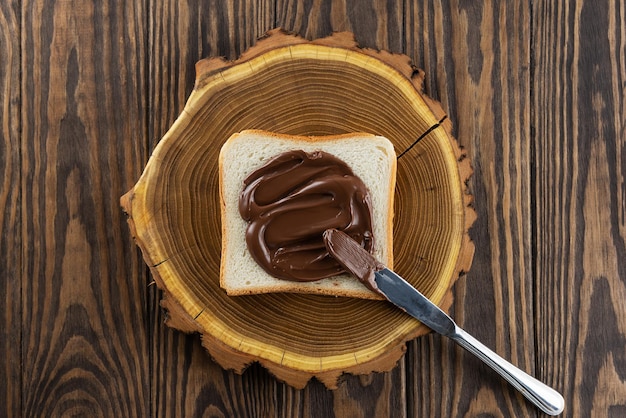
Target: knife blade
(402, 294)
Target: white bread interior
(371, 158)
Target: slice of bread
(371, 158)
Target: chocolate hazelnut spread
(291, 201)
(353, 257)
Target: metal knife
(398, 291)
(402, 294)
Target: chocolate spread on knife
(291, 201)
(353, 257)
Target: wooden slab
(289, 85)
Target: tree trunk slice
(290, 85)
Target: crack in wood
(422, 136)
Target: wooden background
(536, 93)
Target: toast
(371, 158)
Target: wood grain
(180, 34)
(84, 335)
(580, 101)
(376, 24)
(10, 211)
(535, 91)
(476, 57)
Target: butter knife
(402, 294)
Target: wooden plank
(182, 34)
(85, 342)
(185, 381)
(376, 24)
(579, 95)
(476, 57)
(374, 395)
(10, 211)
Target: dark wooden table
(536, 93)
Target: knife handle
(543, 396)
